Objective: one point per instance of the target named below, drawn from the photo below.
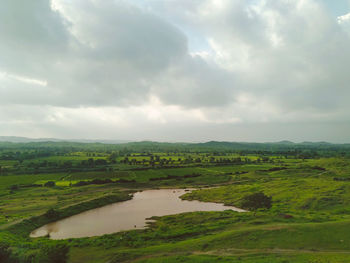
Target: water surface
(125, 215)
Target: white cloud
(344, 18)
(24, 79)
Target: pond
(127, 215)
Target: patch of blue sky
(337, 7)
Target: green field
(308, 221)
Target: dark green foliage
(50, 184)
(52, 214)
(53, 253)
(5, 253)
(100, 162)
(256, 201)
(14, 187)
(95, 181)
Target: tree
(14, 187)
(4, 253)
(50, 184)
(68, 164)
(55, 253)
(90, 162)
(256, 201)
(100, 162)
(52, 214)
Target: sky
(176, 70)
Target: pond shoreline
(26, 226)
(127, 215)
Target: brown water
(125, 215)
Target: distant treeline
(39, 149)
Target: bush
(4, 253)
(14, 187)
(54, 253)
(50, 184)
(52, 214)
(256, 201)
(94, 181)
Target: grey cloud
(34, 121)
(32, 37)
(306, 70)
(194, 83)
(272, 61)
(99, 53)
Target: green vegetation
(256, 201)
(298, 196)
(53, 253)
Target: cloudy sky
(176, 70)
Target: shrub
(14, 187)
(54, 253)
(52, 214)
(256, 201)
(4, 253)
(50, 184)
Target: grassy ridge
(244, 241)
(292, 190)
(253, 258)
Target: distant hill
(285, 142)
(25, 139)
(17, 139)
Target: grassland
(309, 220)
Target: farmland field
(308, 219)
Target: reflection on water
(125, 215)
